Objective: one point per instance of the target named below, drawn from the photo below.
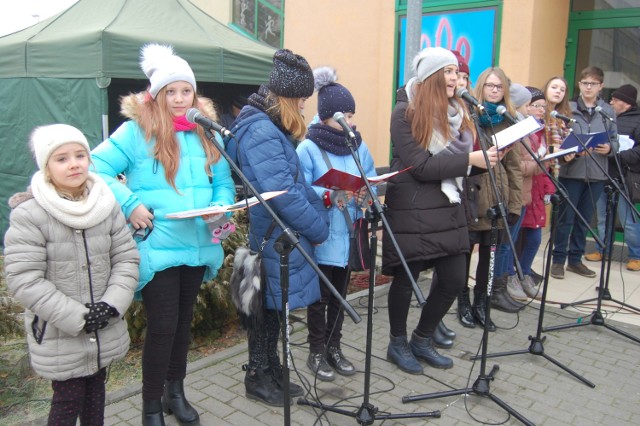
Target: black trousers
(168, 302)
(451, 273)
(81, 397)
(325, 317)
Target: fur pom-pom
(245, 282)
(152, 55)
(323, 76)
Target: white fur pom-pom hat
(162, 66)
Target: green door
(605, 34)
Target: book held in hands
(590, 140)
(336, 179)
(514, 133)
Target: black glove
(98, 316)
(512, 219)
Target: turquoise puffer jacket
(172, 242)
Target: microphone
(464, 94)
(339, 117)
(602, 112)
(195, 116)
(502, 110)
(556, 114)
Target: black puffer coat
(425, 224)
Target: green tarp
(58, 71)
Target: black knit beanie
(291, 76)
(626, 93)
(536, 94)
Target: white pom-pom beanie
(162, 66)
(46, 139)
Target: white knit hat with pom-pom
(162, 66)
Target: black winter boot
(423, 348)
(441, 340)
(152, 412)
(278, 376)
(399, 353)
(465, 314)
(174, 402)
(260, 386)
(479, 311)
(442, 327)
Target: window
(262, 20)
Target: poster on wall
(472, 32)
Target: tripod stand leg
(367, 413)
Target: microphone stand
(537, 342)
(481, 386)
(596, 317)
(283, 245)
(366, 414)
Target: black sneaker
(340, 364)
(317, 363)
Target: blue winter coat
(270, 162)
(335, 250)
(172, 242)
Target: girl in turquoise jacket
(169, 166)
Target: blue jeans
(626, 217)
(504, 254)
(532, 238)
(571, 233)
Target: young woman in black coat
(431, 134)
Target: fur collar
(131, 105)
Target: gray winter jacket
(53, 270)
(589, 121)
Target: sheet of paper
(560, 153)
(514, 133)
(242, 204)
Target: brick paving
(540, 391)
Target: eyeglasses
(491, 86)
(590, 83)
(538, 106)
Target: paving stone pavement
(543, 393)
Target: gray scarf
(460, 143)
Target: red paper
(336, 180)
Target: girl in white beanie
(169, 166)
(430, 133)
(71, 262)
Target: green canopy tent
(72, 67)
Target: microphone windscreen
(191, 114)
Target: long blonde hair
(504, 80)
(290, 116)
(428, 110)
(157, 122)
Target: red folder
(336, 179)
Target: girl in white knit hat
(170, 166)
(71, 262)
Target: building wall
(357, 38)
(533, 36)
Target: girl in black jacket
(431, 134)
